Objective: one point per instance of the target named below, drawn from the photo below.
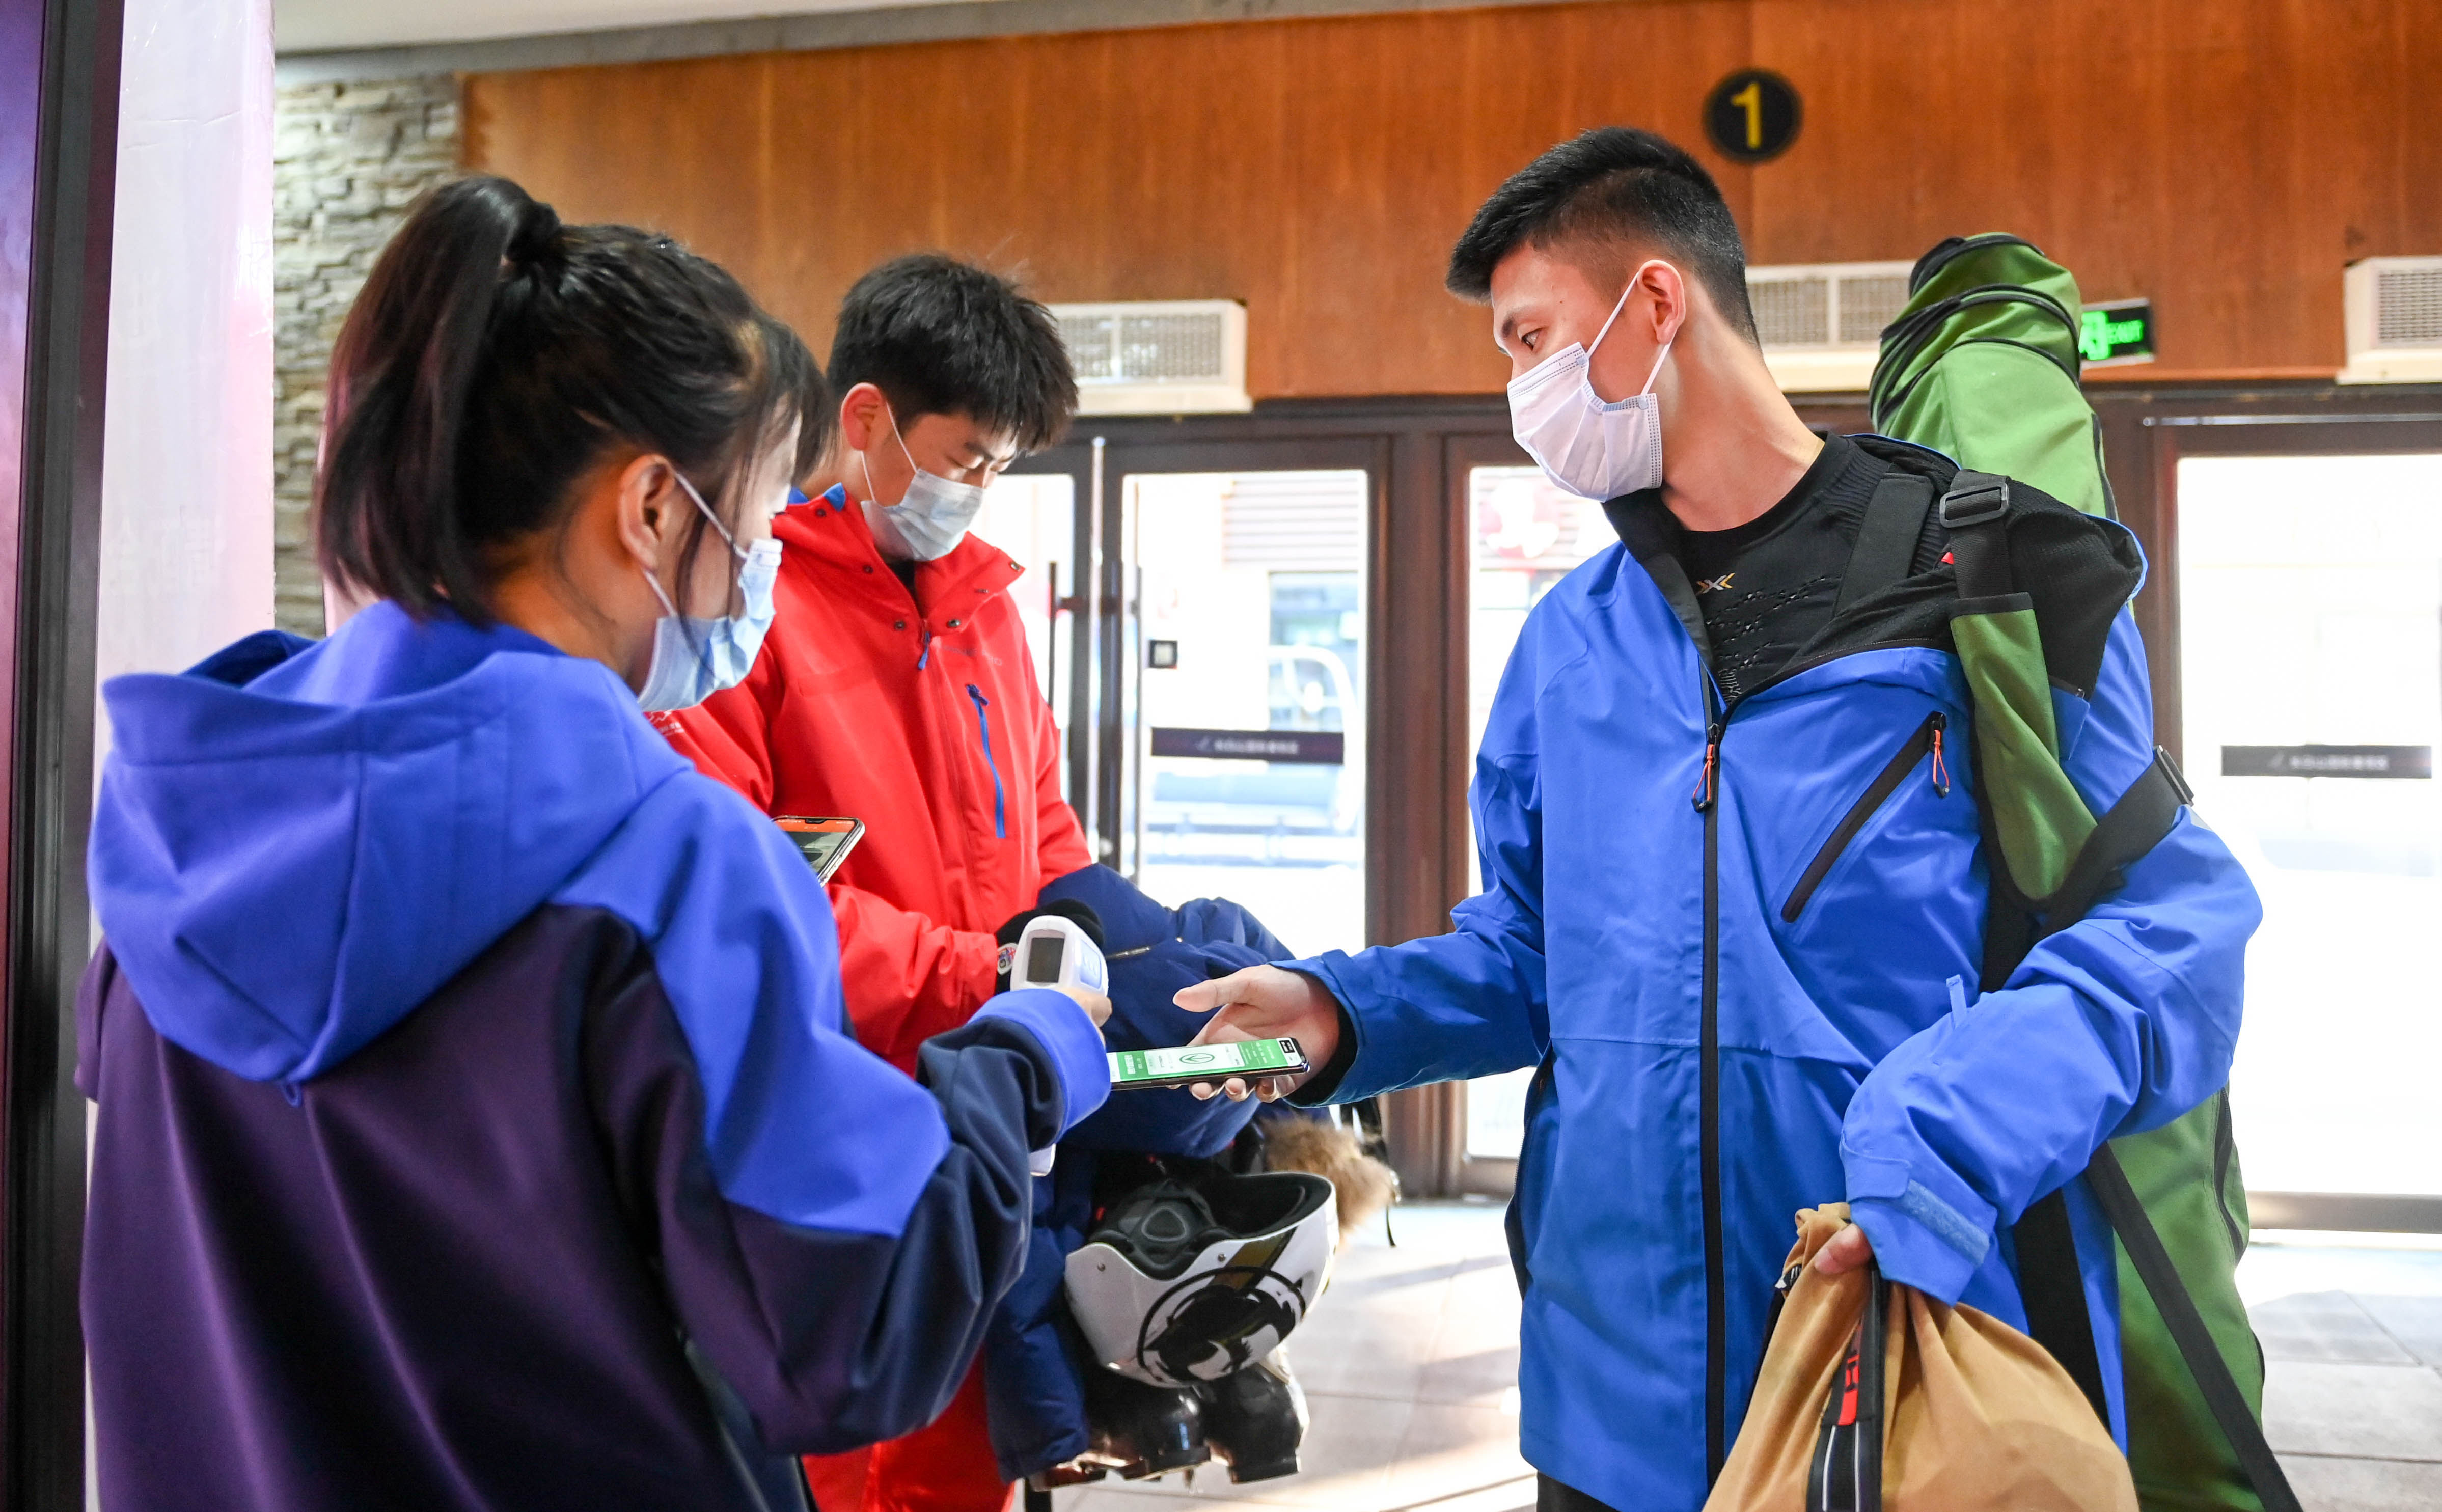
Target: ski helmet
(1182, 1283)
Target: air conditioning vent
(1870, 301)
(1171, 357)
(1792, 312)
(2393, 306)
(1822, 322)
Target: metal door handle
(1137, 747)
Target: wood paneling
(2227, 160)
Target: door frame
(61, 132)
(2346, 423)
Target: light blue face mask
(693, 657)
(930, 519)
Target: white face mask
(930, 519)
(1593, 449)
(694, 657)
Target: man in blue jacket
(1734, 900)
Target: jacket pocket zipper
(1926, 738)
(983, 728)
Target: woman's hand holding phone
(1262, 1003)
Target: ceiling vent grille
(1169, 356)
(1821, 323)
(2393, 307)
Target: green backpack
(1983, 365)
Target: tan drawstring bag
(1956, 1412)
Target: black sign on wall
(1326, 747)
(2328, 761)
(1752, 116)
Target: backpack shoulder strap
(1886, 546)
(2052, 1290)
(2133, 826)
(1979, 541)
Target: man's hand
(1265, 1003)
(1848, 1249)
(1096, 1006)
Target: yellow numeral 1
(1751, 99)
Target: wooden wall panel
(2226, 160)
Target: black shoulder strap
(2133, 826)
(1980, 542)
(1886, 546)
(2053, 1291)
(2110, 1186)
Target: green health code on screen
(1256, 1056)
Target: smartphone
(1190, 1064)
(824, 842)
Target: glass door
(1205, 641)
(1242, 711)
(2309, 594)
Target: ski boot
(1256, 1418)
(1143, 1430)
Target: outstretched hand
(1263, 1003)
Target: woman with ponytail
(475, 1125)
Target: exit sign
(2119, 331)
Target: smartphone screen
(1206, 1062)
(824, 842)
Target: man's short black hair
(939, 336)
(1618, 185)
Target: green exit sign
(2119, 331)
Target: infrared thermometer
(1055, 952)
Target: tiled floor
(1411, 1365)
(2353, 1390)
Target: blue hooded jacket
(1720, 1046)
(475, 1124)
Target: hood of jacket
(296, 843)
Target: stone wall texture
(347, 160)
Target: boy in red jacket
(896, 687)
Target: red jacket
(921, 716)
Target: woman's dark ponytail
(494, 355)
(535, 240)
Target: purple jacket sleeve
(829, 1337)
